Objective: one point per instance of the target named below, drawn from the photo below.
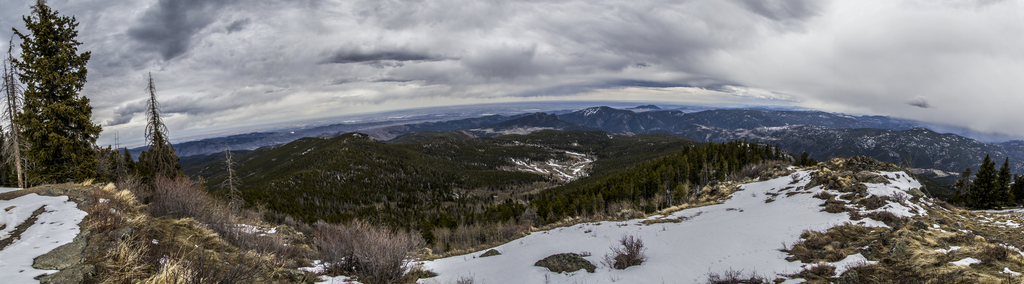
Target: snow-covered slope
(55, 226)
(744, 233)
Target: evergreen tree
(160, 159)
(1017, 189)
(55, 119)
(984, 194)
(962, 188)
(1002, 187)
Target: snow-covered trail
(744, 233)
(56, 226)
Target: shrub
(178, 198)
(736, 277)
(373, 254)
(629, 253)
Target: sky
(230, 64)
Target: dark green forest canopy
(451, 180)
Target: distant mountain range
(820, 134)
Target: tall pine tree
(55, 119)
(159, 159)
(983, 194)
(1002, 187)
(1017, 189)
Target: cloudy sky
(233, 64)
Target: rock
(72, 275)
(864, 176)
(566, 262)
(63, 256)
(915, 192)
(490, 252)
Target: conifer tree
(159, 159)
(984, 193)
(1002, 187)
(963, 188)
(1017, 188)
(55, 119)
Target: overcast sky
(233, 64)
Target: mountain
(753, 118)
(625, 121)
(918, 147)
(529, 124)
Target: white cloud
(228, 64)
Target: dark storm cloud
(238, 25)
(168, 27)
(782, 10)
(359, 56)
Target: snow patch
(719, 239)
(966, 262)
(56, 226)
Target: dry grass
(736, 277)
(131, 246)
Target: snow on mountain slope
(55, 226)
(573, 168)
(743, 233)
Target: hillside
(918, 147)
(440, 178)
(845, 221)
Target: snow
(845, 264)
(8, 189)
(946, 251)
(966, 262)
(57, 226)
(719, 239)
(1006, 270)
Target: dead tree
(12, 91)
(160, 159)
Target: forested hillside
(451, 183)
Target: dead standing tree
(232, 182)
(160, 159)
(12, 93)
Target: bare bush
(630, 252)
(475, 236)
(736, 277)
(178, 198)
(373, 254)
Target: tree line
(48, 135)
(989, 188)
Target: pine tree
(160, 159)
(984, 193)
(1002, 187)
(1017, 189)
(12, 95)
(55, 119)
(962, 188)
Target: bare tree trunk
(12, 92)
(233, 194)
